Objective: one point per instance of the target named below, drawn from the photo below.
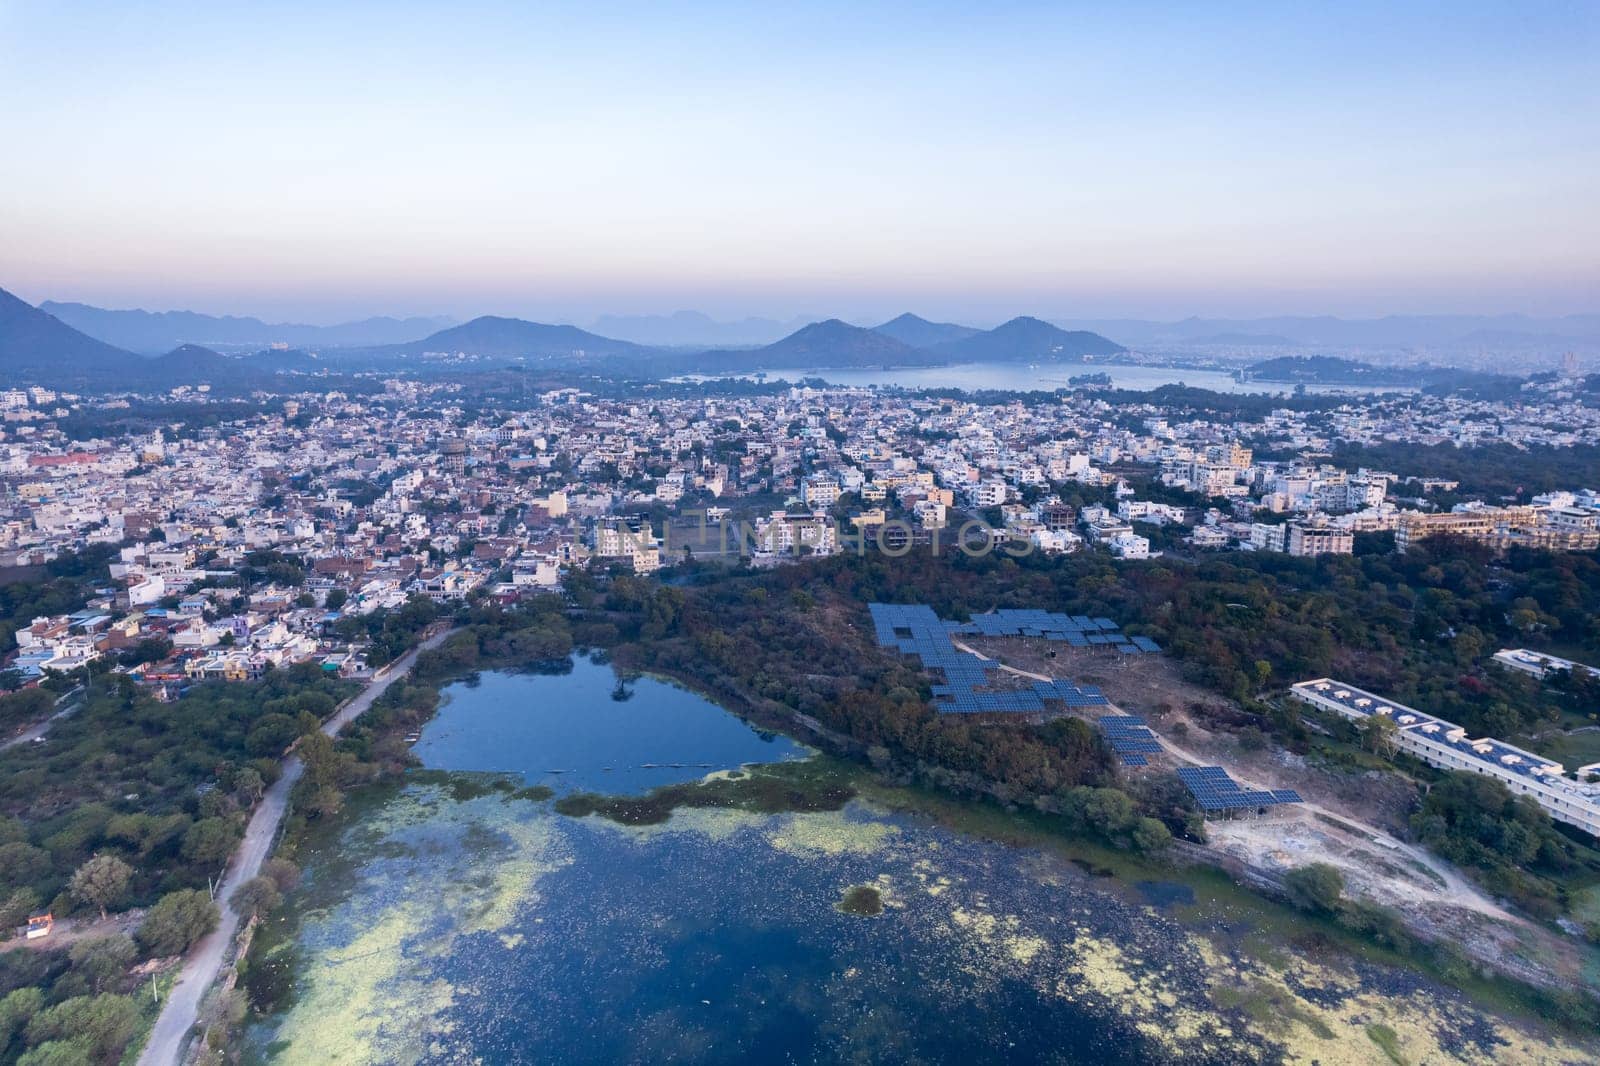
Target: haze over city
(718, 533)
(311, 162)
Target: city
(842, 533)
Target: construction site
(1350, 817)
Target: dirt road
(1452, 889)
(200, 969)
(68, 703)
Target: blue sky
(318, 161)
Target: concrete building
(1303, 539)
(1537, 664)
(1446, 745)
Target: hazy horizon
(981, 321)
(560, 163)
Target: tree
(1378, 733)
(248, 786)
(102, 1025)
(1318, 887)
(256, 897)
(103, 959)
(17, 906)
(58, 1053)
(1150, 836)
(177, 920)
(284, 874)
(210, 841)
(22, 864)
(102, 882)
(16, 1010)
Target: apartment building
(1537, 664)
(1446, 745)
(1304, 539)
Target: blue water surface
(572, 732)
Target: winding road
(39, 729)
(182, 1008)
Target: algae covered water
(456, 917)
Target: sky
(323, 161)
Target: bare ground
(1353, 820)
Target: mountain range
(150, 332)
(511, 338)
(1025, 338)
(38, 346)
(837, 344)
(920, 333)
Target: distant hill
(162, 331)
(821, 344)
(920, 333)
(513, 338)
(38, 348)
(684, 329)
(1026, 339)
(190, 364)
(837, 343)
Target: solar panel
(915, 629)
(1214, 790)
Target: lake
(1021, 377)
(456, 916)
(581, 729)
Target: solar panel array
(916, 630)
(1130, 738)
(1214, 790)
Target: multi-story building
(1477, 523)
(1539, 665)
(1446, 745)
(1266, 537)
(989, 493)
(1554, 529)
(1305, 539)
(819, 492)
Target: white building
(1265, 537)
(1538, 664)
(1056, 541)
(1130, 546)
(1157, 514)
(1304, 539)
(1447, 746)
(991, 493)
(819, 492)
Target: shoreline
(979, 811)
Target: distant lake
(1020, 377)
(570, 731)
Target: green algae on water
(863, 901)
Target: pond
(457, 916)
(583, 728)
